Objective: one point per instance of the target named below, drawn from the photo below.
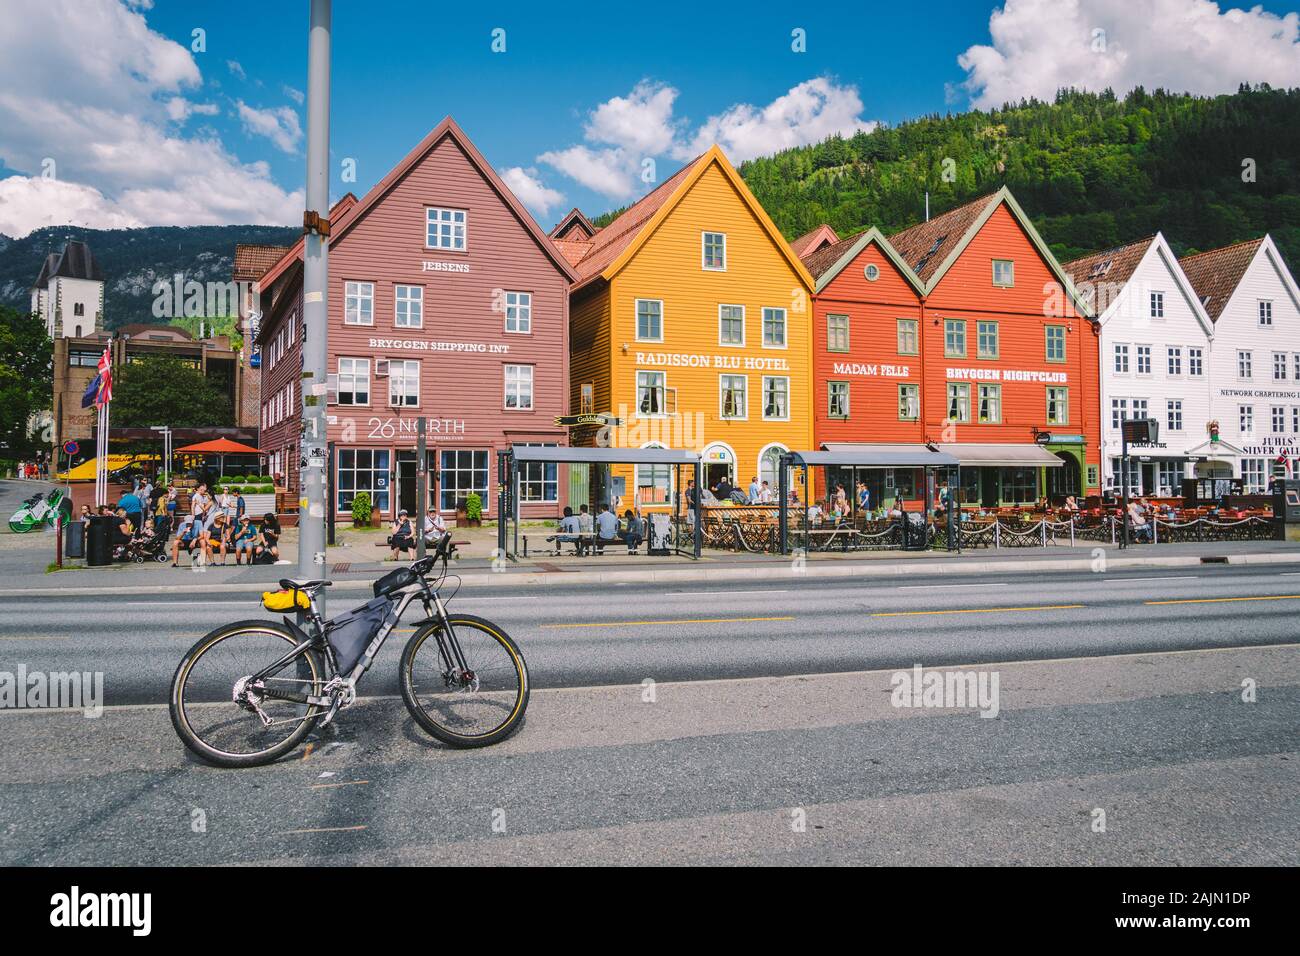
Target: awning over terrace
(1001, 456)
(872, 455)
(603, 456)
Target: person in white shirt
(434, 528)
(765, 494)
(568, 532)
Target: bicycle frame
(448, 648)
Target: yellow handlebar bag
(285, 600)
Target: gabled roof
(295, 252)
(448, 129)
(573, 224)
(1109, 271)
(927, 245)
(76, 261)
(253, 260)
(930, 248)
(829, 261)
(1215, 274)
(614, 246)
(810, 242)
(1115, 266)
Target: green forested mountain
(1092, 169)
(132, 260)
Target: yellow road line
(1224, 600)
(980, 610)
(324, 830)
(344, 783)
(691, 620)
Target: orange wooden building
(961, 334)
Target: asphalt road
(770, 735)
(622, 634)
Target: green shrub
(473, 506)
(361, 509)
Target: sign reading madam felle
(871, 368)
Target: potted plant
(361, 510)
(473, 510)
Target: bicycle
(249, 692)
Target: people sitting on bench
(568, 532)
(635, 533)
(606, 528)
(586, 529)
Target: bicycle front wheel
(467, 687)
(229, 719)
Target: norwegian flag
(100, 390)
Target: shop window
(363, 469)
(538, 480)
(461, 471)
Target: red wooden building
(964, 335)
(446, 301)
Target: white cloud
(532, 192)
(641, 125)
(237, 69)
(298, 96)
(278, 124)
(1041, 46)
(606, 171)
(87, 84)
(28, 203)
(809, 113)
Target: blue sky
(570, 108)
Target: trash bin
(99, 541)
(74, 539)
(914, 531)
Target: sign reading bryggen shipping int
(427, 345)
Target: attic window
(933, 249)
(872, 272)
(1099, 269)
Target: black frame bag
(351, 633)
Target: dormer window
(714, 251)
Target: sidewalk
(355, 562)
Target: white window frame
(1141, 351)
(1245, 365)
(354, 294)
(431, 219)
(1157, 301)
(1278, 419)
(401, 377)
(359, 366)
(763, 398)
(1008, 281)
(1246, 419)
(522, 305)
(732, 345)
(636, 318)
(1195, 361)
(1120, 356)
(1281, 361)
(1265, 313)
(704, 245)
(518, 383)
(722, 392)
(1174, 361)
(402, 294)
(1174, 414)
(785, 327)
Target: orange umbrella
(221, 447)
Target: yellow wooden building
(690, 325)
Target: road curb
(783, 572)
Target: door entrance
(1149, 485)
(1065, 480)
(406, 481)
(988, 487)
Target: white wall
(65, 295)
(1237, 330)
(1128, 321)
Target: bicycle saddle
(290, 584)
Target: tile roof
(572, 222)
(1215, 274)
(608, 244)
(926, 245)
(816, 239)
(819, 260)
(573, 249)
(76, 261)
(1114, 267)
(252, 260)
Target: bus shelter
(513, 464)
(860, 527)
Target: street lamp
(167, 446)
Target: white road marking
(945, 587)
(1181, 577)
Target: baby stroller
(144, 544)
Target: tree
(26, 379)
(159, 390)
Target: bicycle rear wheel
(476, 705)
(222, 716)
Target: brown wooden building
(446, 301)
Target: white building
(68, 295)
(1155, 360)
(1252, 298)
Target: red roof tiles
(1215, 274)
